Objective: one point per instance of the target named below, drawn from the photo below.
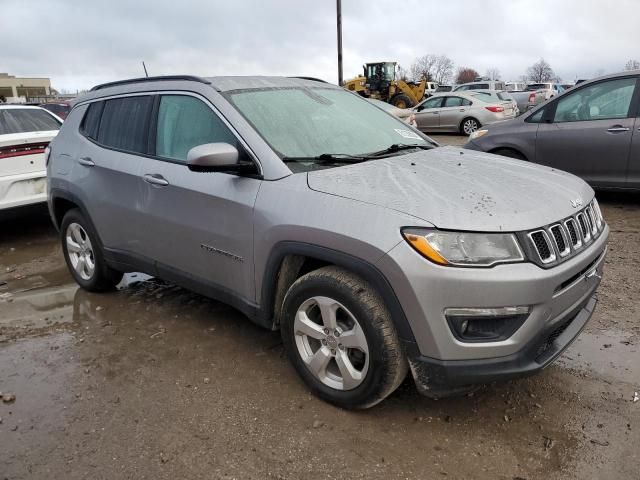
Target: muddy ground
(155, 382)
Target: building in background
(23, 90)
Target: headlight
(464, 249)
(478, 134)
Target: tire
(401, 101)
(507, 152)
(369, 366)
(82, 248)
(469, 125)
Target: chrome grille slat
(572, 228)
(542, 245)
(560, 239)
(584, 227)
(592, 220)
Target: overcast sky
(78, 43)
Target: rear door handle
(618, 129)
(86, 161)
(155, 179)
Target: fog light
(485, 324)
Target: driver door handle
(618, 129)
(155, 179)
(86, 161)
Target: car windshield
(536, 86)
(302, 124)
(20, 120)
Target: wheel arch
(289, 260)
(517, 151)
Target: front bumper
(441, 378)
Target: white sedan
(25, 133)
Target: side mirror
(217, 157)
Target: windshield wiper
(328, 158)
(398, 147)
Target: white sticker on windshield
(407, 133)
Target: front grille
(558, 241)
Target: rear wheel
(401, 100)
(83, 254)
(340, 338)
(469, 125)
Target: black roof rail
(311, 78)
(151, 79)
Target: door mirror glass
(212, 157)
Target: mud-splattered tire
(351, 357)
(82, 251)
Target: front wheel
(340, 338)
(83, 255)
(469, 125)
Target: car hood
(458, 189)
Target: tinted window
(466, 103)
(536, 117)
(453, 102)
(479, 86)
(604, 100)
(185, 122)
(433, 102)
(125, 123)
(19, 120)
(91, 120)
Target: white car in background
(25, 133)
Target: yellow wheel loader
(379, 82)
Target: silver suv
(373, 250)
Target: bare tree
(443, 69)
(432, 68)
(493, 74)
(540, 71)
(466, 75)
(422, 68)
(632, 65)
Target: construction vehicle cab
(379, 82)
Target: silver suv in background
(480, 85)
(373, 250)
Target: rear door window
(124, 124)
(453, 102)
(185, 122)
(91, 120)
(21, 120)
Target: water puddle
(608, 353)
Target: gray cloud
(81, 43)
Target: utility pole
(339, 22)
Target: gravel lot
(155, 382)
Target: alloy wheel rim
(80, 251)
(470, 126)
(331, 343)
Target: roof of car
(221, 84)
